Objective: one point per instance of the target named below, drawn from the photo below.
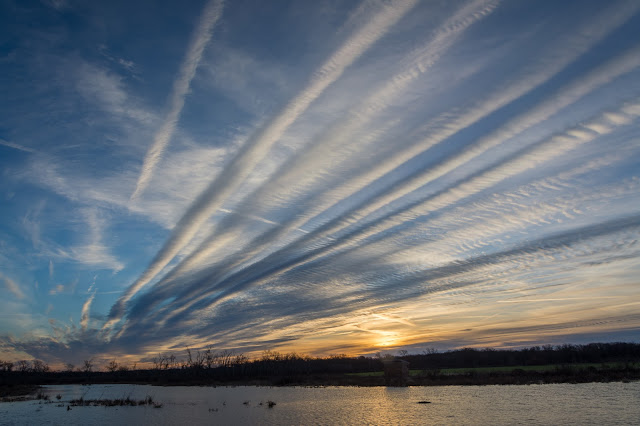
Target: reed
(118, 402)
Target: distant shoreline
(20, 392)
(595, 362)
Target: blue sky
(324, 177)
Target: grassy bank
(548, 368)
(17, 392)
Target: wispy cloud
(276, 265)
(92, 252)
(529, 159)
(84, 317)
(258, 146)
(298, 169)
(16, 146)
(345, 177)
(337, 143)
(50, 269)
(201, 37)
(12, 286)
(57, 289)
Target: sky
(322, 177)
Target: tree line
(207, 362)
(534, 355)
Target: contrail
(201, 37)
(288, 258)
(502, 221)
(290, 171)
(599, 77)
(16, 146)
(594, 79)
(259, 145)
(420, 61)
(563, 58)
(530, 158)
(413, 282)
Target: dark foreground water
(591, 403)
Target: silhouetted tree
(240, 359)
(112, 366)
(195, 361)
(38, 366)
(164, 361)
(87, 365)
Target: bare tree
(158, 361)
(69, 367)
(164, 361)
(172, 361)
(240, 359)
(225, 358)
(23, 366)
(338, 356)
(209, 358)
(88, 365)
(269, 355)
(38, 366)
(112, 366)
(195, 362)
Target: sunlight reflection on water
(593, 403)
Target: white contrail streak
(202, 36)
(419, 62)
(565, 54)
(549, 149)
(258, 146)
(533, 79)
(84, 317)
(16, 146)
(562, 55)
(514, 127)
(523, 215)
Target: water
(591, 403)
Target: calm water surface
(592, 403)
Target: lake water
(591, 403)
